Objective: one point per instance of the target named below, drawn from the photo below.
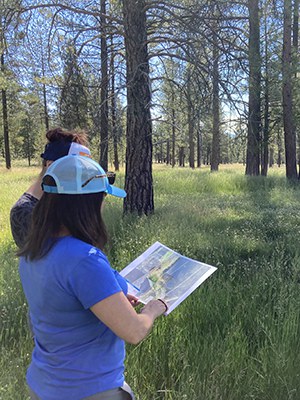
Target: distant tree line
(184, 83)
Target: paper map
(160, 272)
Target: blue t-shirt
(75, 354)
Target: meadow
(237, 336)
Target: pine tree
(73, 98)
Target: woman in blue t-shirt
(79, 306)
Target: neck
(63, 232)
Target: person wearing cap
(78, 303)
(60, 143)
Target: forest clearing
(236, 337)
(192, 107)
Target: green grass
(235, 338)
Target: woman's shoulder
(76, 248)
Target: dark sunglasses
(111, 176)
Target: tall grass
(234, 338)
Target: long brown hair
(80, 214)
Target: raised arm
(21, 212)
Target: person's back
(71, 343)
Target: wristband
(163, 304)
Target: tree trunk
(5, 118)
(254, 117)
(138, 179)
(173, 124)
(168, 158)
(288, 122)
(28, 148)
(296, 61)
(190, 121)
(271, 158)
(208, 154)
(114, 109)
(279, 148)
(215, 153)
(191, 140)
(199, 147)
(181, 156)
(265, 143)
(173, 133)
(46, 114)
(103, 90)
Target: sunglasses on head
(111, 176)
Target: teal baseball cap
(75, 174)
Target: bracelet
(163, 304)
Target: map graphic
(160, 272)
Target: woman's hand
(155, 308)
(134, 301)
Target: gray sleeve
(20, 218)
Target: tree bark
(190, 121)
(173, 132)
(296, 61)
(254, 117)
(114, 109)
(265, 141)
(5, 118)
(199, 147)
(181, 156)
(104, 90)
(271, 158)
(279, 147)
(28, 148)
(215, 151)
(46, 114)
(288, 121)
(138, 179)
(168, 157)
(296, 26)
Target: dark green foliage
(73, 98)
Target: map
(162, 273)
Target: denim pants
(122, 393)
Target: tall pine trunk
(138, 179)
(254, 117)
(173, 130)
(296, 61)
(104, 90)
(215, 150)
(190, 117)
(287, 95)
(46, 114)
(114, 108)
(199, 146)
(168, 157)
(5, 115)
(265, 141)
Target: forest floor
(237, 336)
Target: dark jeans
(113, 394)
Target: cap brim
(115, 191)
